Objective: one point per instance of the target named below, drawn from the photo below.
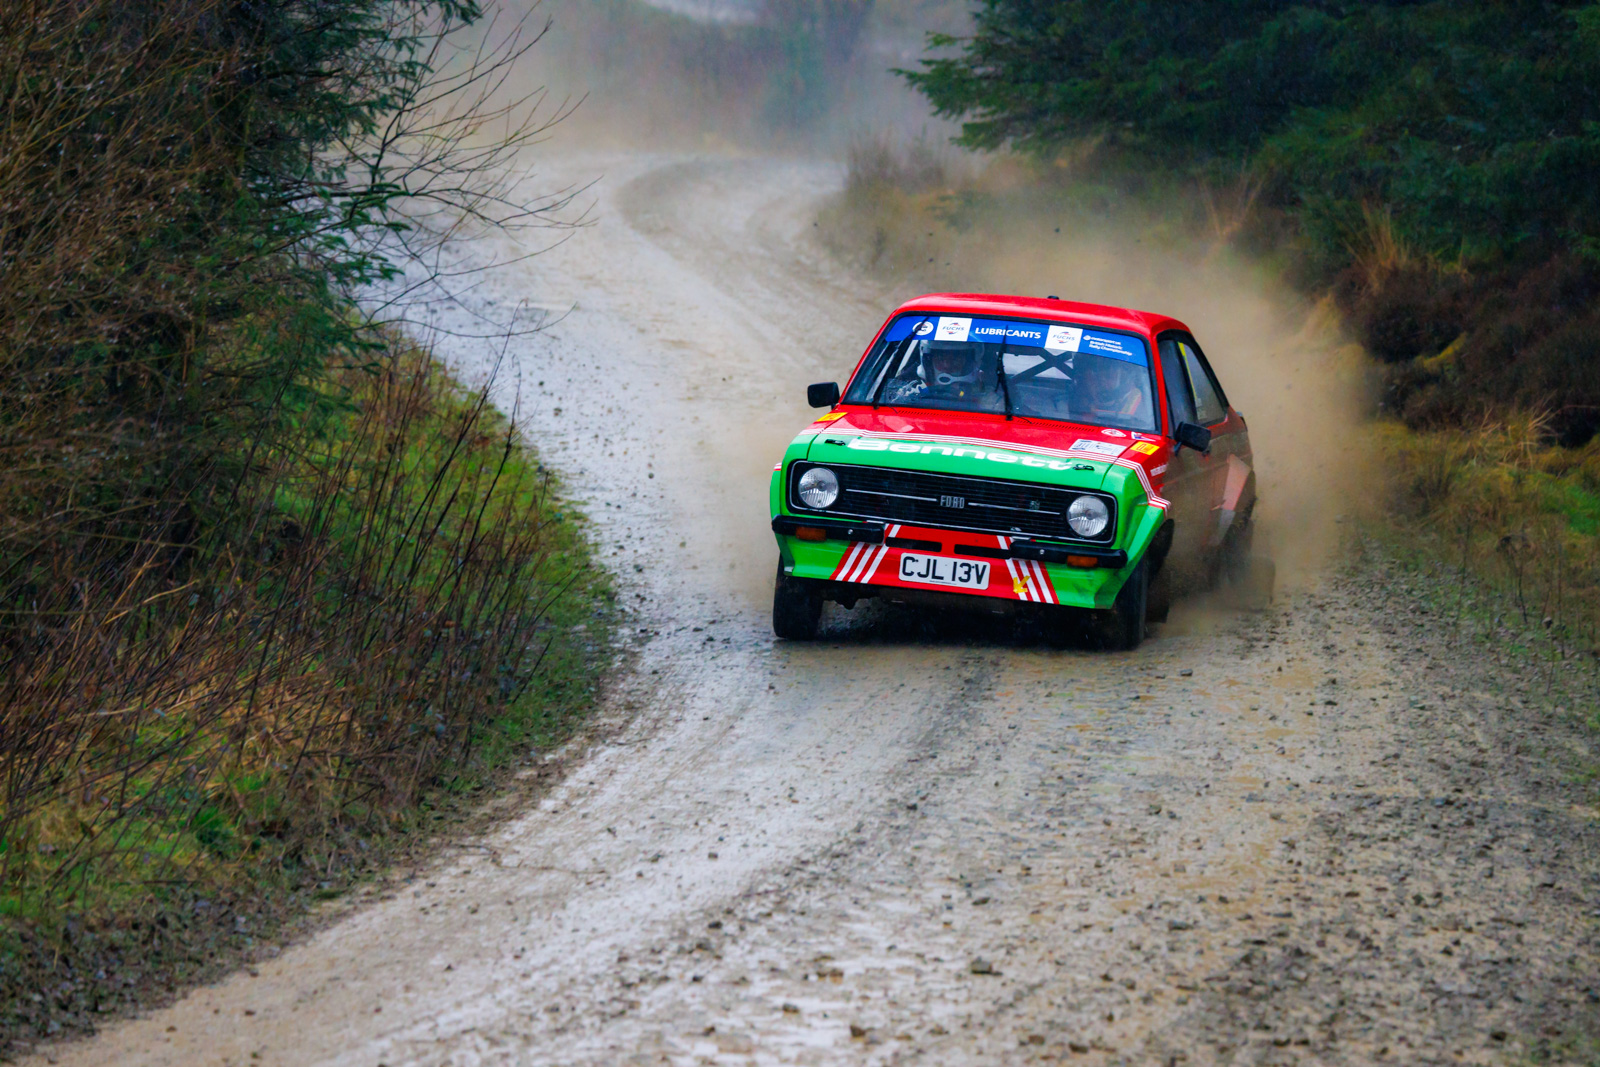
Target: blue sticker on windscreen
(1053, 336)
(903, 327)
(1116, 345)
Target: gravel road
(1319, 834)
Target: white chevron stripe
(1046, 594)
(1025, 592)
(893, 531)
(877, 558)
(867, 552)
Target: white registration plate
(942, 570)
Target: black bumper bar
(870, 533)
(1115, 559)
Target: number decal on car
(943, 570)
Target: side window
(1179, 403)
(1208, 402)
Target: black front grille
(918, 498)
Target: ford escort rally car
(1077, 461)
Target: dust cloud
(1284, 360)
(731, 76)
(655, 81)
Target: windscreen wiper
(883, 380)
(1000, 365)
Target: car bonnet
(1047, 452)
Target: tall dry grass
(1502, 503)
(173, 703)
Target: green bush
(1474, 124)
(1430, 154)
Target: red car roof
(1142, 322)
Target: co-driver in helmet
(1109, 390)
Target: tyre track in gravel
(1251, 841)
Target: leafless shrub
(386, 590)
(877, 164)
(1519, 512)
(263, 570)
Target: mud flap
(1251, 583)
(796, 607)
(1123, 626)
(1158, 602)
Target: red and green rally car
(1001, 451)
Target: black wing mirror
(1194, 436)
(826, 394)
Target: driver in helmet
(946, 371)
(1110, 390)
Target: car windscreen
(1044, 370)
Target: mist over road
(711, 10)
(1310, 834)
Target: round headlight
(819, 488)
(1088, 516)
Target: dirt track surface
(1298, 836)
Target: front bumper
(868, 554)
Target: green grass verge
(221, 842)
(1502, 504)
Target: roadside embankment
(404, 610)
(275, 590)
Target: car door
(1188, 471)
(1229, 449)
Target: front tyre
(796, 607)
(1122, 628)
(1254, 583)
(1233, 561)
(1158, 600)
(1250, 579)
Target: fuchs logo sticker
(1063, 339)
(952, 329)
(952, 502)
(1113, 433)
